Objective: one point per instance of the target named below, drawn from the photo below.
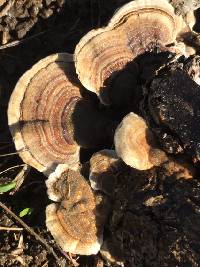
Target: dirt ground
(155, 218)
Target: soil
(166, 228)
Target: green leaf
(26, 211)
(7, 187)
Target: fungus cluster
(52, 116)
(76, 220)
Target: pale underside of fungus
(137, 27)
(76, 221)
(39, 113)
(135, 143)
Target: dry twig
(12, 168)
(9, 154)
(2, 228)
(32, 232)
(45, 264)
(18, 42)
(19, 179)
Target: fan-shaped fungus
(76, 221)
(103, 166)
(137, 27)
(50, 120)
(135, 144)
(40, 105)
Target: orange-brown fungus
(103, 167)
(39, 113)
(76, 221)
(135, 144)
(137, 27)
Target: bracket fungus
(76, 221)
(135, 28)
(38, 108)
(48, 117)
(51, 117)
(103, 167)
(135, 144)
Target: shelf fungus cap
(76, 221)
(103, 167)
(39, 113)
(135, 144)
(137, 27)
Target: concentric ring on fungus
(137, 27)
(135, 144)
(39, 107)
(77, 220)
